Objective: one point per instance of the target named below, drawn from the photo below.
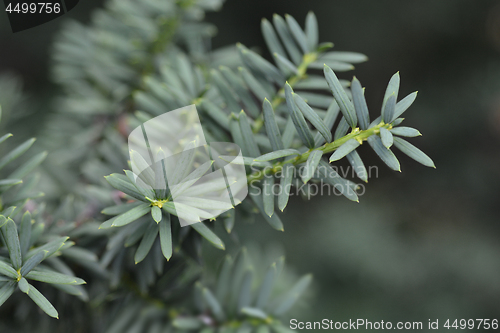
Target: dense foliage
(145, 273)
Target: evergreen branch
(356, 134)
(279, 98)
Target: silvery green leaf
(327, 174)
(224, 279)
(358, 165)
(51, 247)
(9, 212)
(386, 155)
(388, 111)
(285, 64)
(297, 33)
(29, 166)
(313, 117)
(247, 135)
(3, 220)
(147, 241)
(159, 91)
(404, 104)
(204, 203)
(208, 234)
(344, 149)
(228, 95)
(32, 262)
(413, 152)
(16, 152)
(245, 295)
(54, 278)
(288, 133)
(7, 270)
(215, 113)
(277, 154)
(229, 220)
(9, 182)
(360, 104)
(254, 85)
(245, 161)
(392, 88)
(337, 66)
(285, 185)
(386, 137)
(148, 103)
(175, 86)
(313, 82)
(137, 234)
(322, 47)
(312, 31)
(272, 129)
(256, 196)
(317, 100)
(349, 57)
(311, 165)
(234, 127)
(122, 183)
(25, 232)
(186, 73)
(259, 64)
(287, 39)
(341, 97)
(187, 323)
(266, 287)
(23, 285)
(254, 313)
(119, 209)
(213, 305)
(156, 214)
(405, 131)
(166, 237)
(131, 215)
(271, 38)
(298, 118)
(6, 291)
(268, 195)
(192, 178)
(329, 120)
(42, 302)
(342, 129)
(9, 232)
(293, 295)
(241, 90)
(397, 121)
(198, 189)
(5, 137)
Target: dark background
(421, 244)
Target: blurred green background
(421, 244)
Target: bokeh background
(421, 244)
